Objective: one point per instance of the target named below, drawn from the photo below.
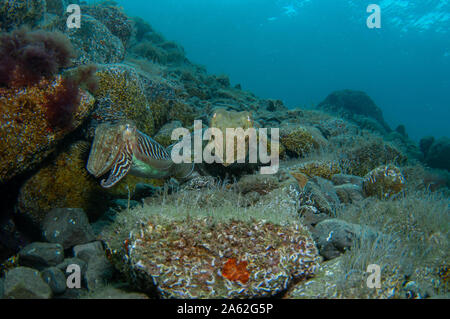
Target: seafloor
(356, 209)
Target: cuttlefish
(122, 149)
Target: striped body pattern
(122, 149)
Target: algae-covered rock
(94, 43)
(320, 168)
(63, 183)
(113, 18)
(320, 193)
(370, 154)
(196, 256)
(15, 13)
(122, 86)
(384, 182)
(300, 140)
(26, 133)
(351, 104)
(438, 154)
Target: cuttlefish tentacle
(122, 149)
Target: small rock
(68, 227)
(56, 280)
(335, 236)
(41, 255)
(25, 283)
(99, 270)
(84, 252)
(311, 215)
(320, 193)
(349, 193)
(341, 179)
(262, 184)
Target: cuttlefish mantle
(122, 149)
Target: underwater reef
(350, 191)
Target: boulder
(349, 193)
(41, 255)
(68, 227)
(438, 155)
(25, 283)
(341, 179)
(94, 43)
(99, 270)
(56, 280)
(85, 251)
(334, 236)
(349, 104)
(14, 14)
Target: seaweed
(28, 56)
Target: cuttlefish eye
(248, 118)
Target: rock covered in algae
(63, 183)
(94, 43)
(26, 134)
(320, 168)
(123, 88)
(201, 258)
(384, 182)
(15, 13)
(299, 140)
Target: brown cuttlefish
(122, 149)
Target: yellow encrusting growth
(123, 88)
(26, 137)
(324, 169)
(298, 141)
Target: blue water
(300, 51)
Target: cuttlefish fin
(120, 167)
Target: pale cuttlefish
(122, 149)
